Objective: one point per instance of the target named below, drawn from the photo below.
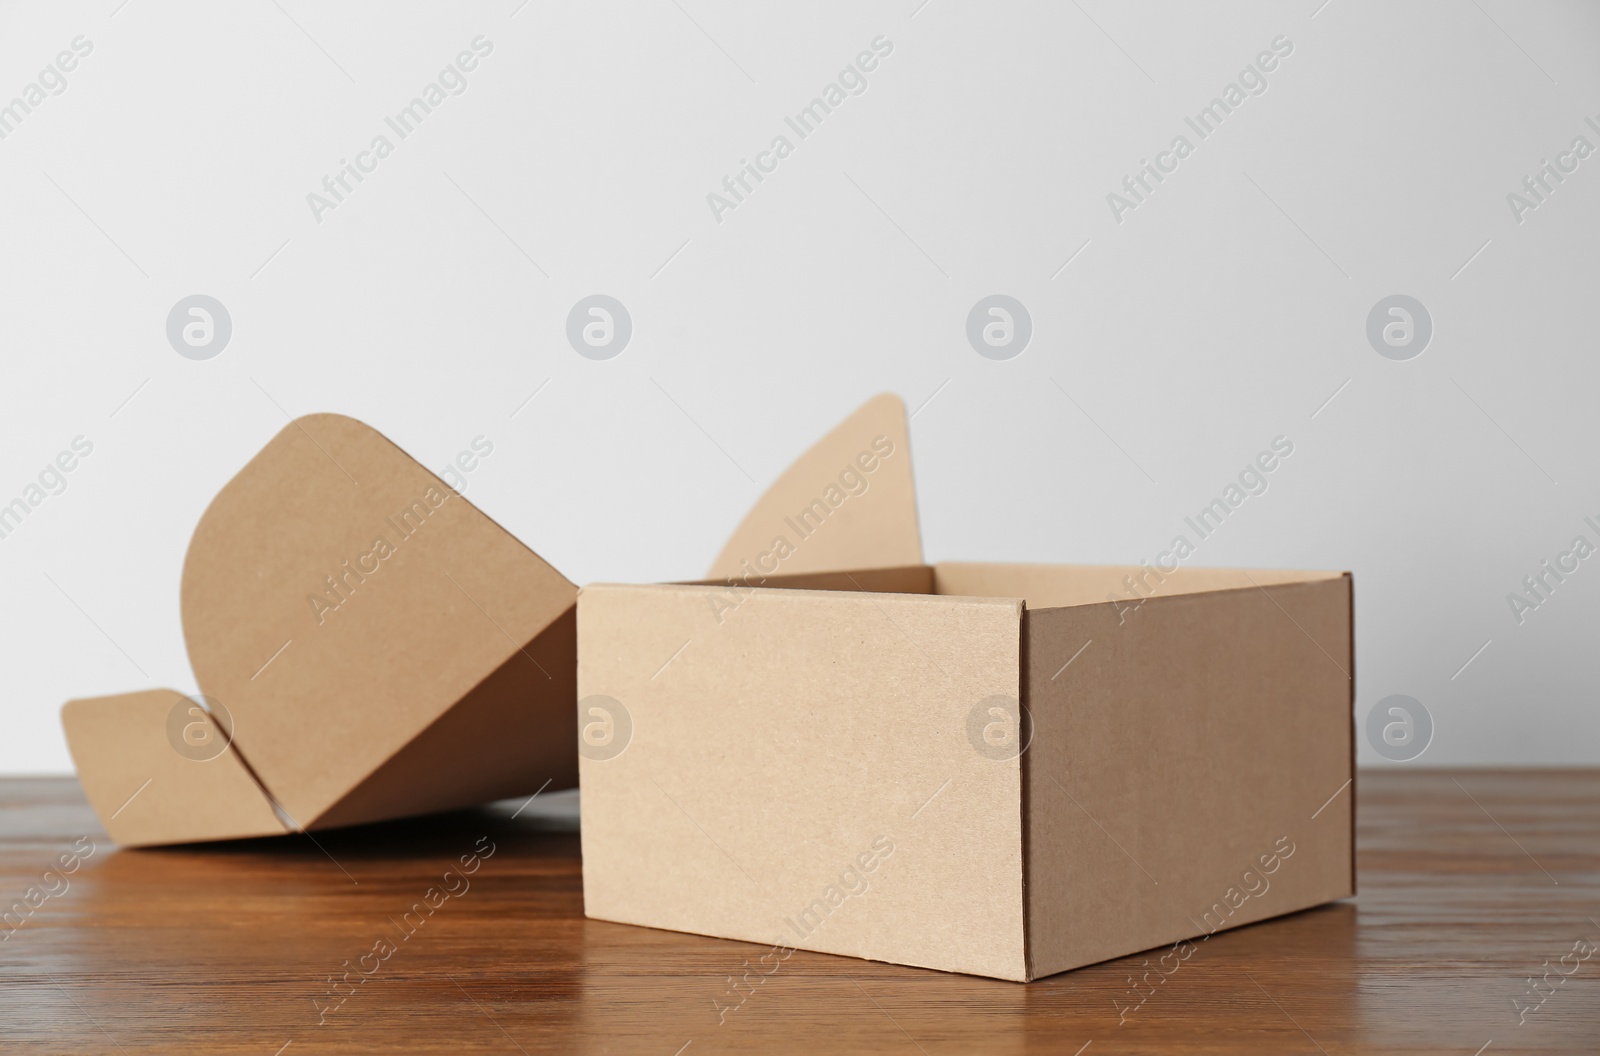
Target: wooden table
(1471, 882)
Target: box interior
(1038, 586)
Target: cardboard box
(993, 769)
(367, 645)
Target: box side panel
(1189, 767)
(1047, 586)
(805, 769)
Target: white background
(1224, 311)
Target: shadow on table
(682, 988)
(252, 944)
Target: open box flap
(338, 598)
(157, 769)
(339, 601)
(847, 503)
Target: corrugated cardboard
(824, 747)
(378, 647)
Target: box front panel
(1190, 767)
(827, 771)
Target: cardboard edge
(1324, 577)
(1024, 774)
(1024, 969)
(787, 591)
(1308, 575)
(855, 580)
(1350, 602)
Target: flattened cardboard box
(980, 768)
(367, 645)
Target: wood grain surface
(1473, 887)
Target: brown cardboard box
(982, 768)
(367, 644)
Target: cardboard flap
(157, 769)
(527, 747)
(847, 503)
(338, 599)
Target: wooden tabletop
(1475, 931)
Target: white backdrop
(1364, 150)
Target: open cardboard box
(1004, 770)
(367, 644)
